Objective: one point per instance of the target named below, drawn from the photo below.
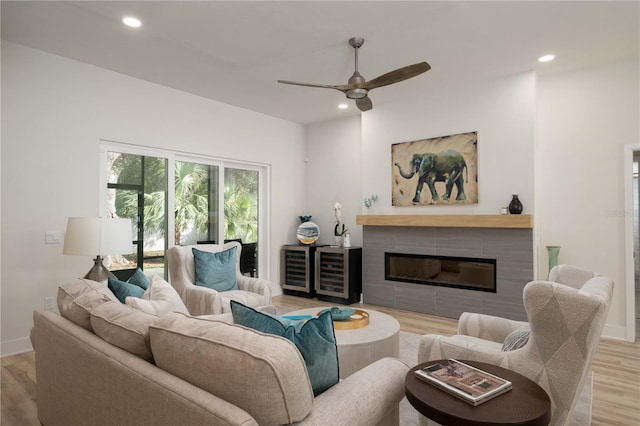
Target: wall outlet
(49, 303)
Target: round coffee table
(360, 347)
(525, 404)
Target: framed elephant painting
(436, 171)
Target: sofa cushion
(516, 339)
(314, 338)
(216, 270)
(77, 298)
(83, 285)
(124, 327)
(158, 299)
(123, 289)
(263, 374)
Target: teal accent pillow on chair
(216, 270)
(123, 289)
(314, 338)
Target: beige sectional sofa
(105, 363)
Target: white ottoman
(360, 347)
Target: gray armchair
(254, 292)
(566, 317)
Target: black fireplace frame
(487, 261)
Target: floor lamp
(98, 236)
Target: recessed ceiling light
(130, 21)
(546, 58)
(343, 106)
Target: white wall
(333, 174)
(575, 125)
(55, 111)
(584, 120)
(501, 111)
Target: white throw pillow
(153, 307)
(158, 299)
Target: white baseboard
(276, 290)
(15, 347)
(617, 332)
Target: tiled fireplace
(509, 249)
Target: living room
(560, 140)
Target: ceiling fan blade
(398, 75)
(364, 104)
(322, 86)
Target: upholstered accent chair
(566, 316)
(200, 300)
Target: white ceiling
(234, 52)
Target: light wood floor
(616, 366)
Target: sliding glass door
(137, 190)
(213, 202)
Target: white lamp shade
(97, 236)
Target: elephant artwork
(446, 166)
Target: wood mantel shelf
(452, 220)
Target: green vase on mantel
(553, 252)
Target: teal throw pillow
(216, 270)
(314, 338)
(139, 279)
(123, 289)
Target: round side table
(526, 404)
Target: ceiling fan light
(356, 93)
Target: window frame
(264, 173)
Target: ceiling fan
(358, 88)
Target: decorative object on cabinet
(515, 206)
(339, 229)
(308, 233)
(297, 270)
(338, 274)
(305, 218)
(440, 163)
(347, 240)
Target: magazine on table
(468, 383)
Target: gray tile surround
(512, 249)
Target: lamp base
(99, 273)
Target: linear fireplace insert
(457, 272)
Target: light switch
(52, 237)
